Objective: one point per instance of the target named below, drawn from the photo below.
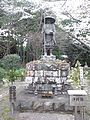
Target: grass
(5, 114)
(5, 109)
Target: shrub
(11, 61)
(75, 74)
(2, 74)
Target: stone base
(36, 103)
(48, 57)
(43, 106)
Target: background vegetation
(11, 68)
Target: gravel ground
(53, 116)
(4, 104)
(44, 116)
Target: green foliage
(29, 24)
(20, 73)
(56, 52)
(5, 114)
(39, 52)
(75, 74)
(2, 18)
(13, 75)
(10, 68)
(9, 65)
(87, 76)
(11, 61)
(67, 22)
(2, 73)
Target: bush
(11, 61)
(20, 72)
(2, 74)
(87, 76)
(5, 114)
(75, 74)
(13, 74)
(56, 52)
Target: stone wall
(44, 106)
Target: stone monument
(48, 71)
(46, 77)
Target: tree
(24, 19)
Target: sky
(73, 6)
(60, 4)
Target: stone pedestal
(47, 58)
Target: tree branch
(70, 16)
(83, 44)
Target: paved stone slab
(44, 116)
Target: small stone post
(12, 98)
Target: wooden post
(12, 98)
(82, 112)
(75, 113)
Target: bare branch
(85, 47)
(70, 16)
(64, 3)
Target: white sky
(73, 6)
(57, 5)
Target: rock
(59, 107)
(68, 107)
(24, 105)
(38, 106)
(48, 106)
